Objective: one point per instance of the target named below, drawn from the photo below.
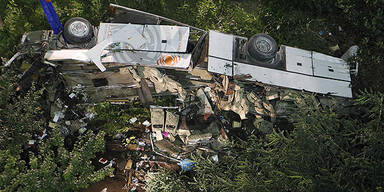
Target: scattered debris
(215, 158)
(206, 108)
(334, 48)
(58, 115)
(146, 123)
(236, 124)
(162, 82)
(272, 95)
(72, 95)
(168, 147)
(171, 122)
(103, 161)
(199, 138)
(133, 120)
(31, 142)
(157, 121)
(210, 109)
(144, 93)
(186, 164)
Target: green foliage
(164, 181)
(49, 166)
(373, 132)
(326, 151)
(222, 15)
(364, 21)
(18, 119)
(115, 118)
(21, 16)
(298, 23)
(54, 170)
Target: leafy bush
(23, 16)
(360, 22)
(114, 119)
(326, 151)
(47, 166)
(163, 181)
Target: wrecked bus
(98, 57)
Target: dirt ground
(107, 185)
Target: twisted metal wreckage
(141, 55)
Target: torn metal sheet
(240, 105)
(119, 83)
(198, 138)
(132, 71)
(170, 148)
(145, 94)
(163, 83)
(206, 108)
(257, 103)
(156, 77)
(12, 59)
(236, 102)
(67, 54)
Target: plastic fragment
(103, 161)
(146, 123)
(72, 95)
(31, 142)
(165, 134)
(186, 164)
(82, 130)
(132, 120)
(215, 158)
(57, 116)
